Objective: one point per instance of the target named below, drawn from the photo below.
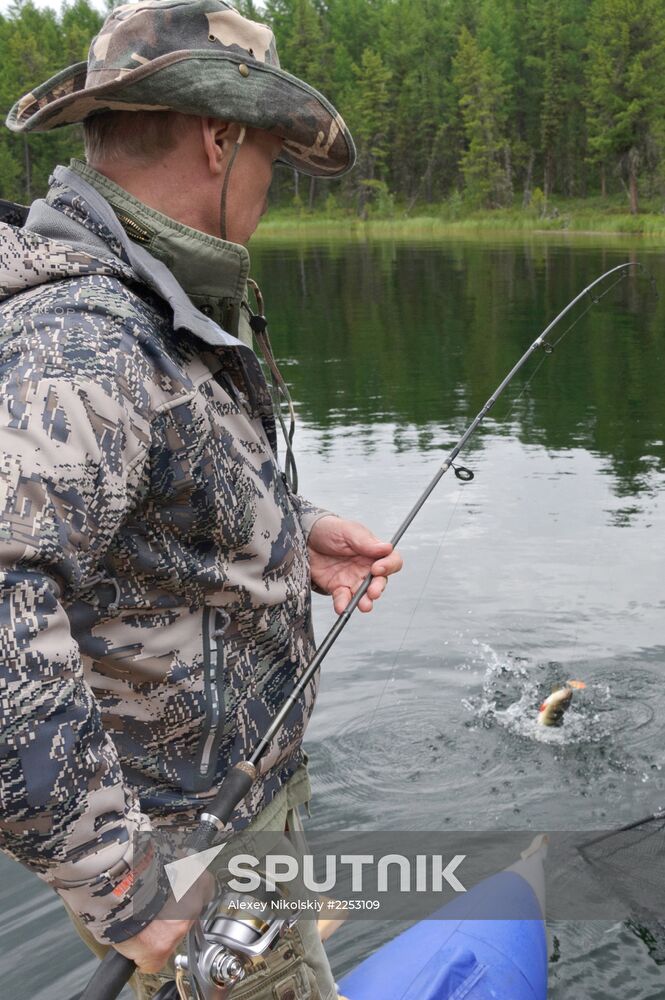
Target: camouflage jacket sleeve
(70, 448)
(308, 513)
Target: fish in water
(552, 710)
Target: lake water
(549, 565)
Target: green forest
(462, 104)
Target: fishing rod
(115, 969)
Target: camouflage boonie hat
(200, 57)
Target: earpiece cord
(225, 186)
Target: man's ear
(218, 137)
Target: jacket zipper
(211, 681)
(132, 228)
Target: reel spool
(220, 947)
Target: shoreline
(648, 228)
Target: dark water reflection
(547, 566)
(410, 335)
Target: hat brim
(316, 139)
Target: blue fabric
(463, 959)
(450, 973)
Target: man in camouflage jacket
(155, 566)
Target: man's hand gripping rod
(115, 970)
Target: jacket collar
(146, 267)
(208, 268)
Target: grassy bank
(589, 217)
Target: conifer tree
(35, 44)
(425, 140)
(626, 67)
(553, 107)
(367, 116)
(481, 93)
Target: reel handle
(115, 971)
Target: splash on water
(513, 690)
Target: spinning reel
(233, 931)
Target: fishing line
(548, 349)
(414, 609)
(524, 388)
(593, 301)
